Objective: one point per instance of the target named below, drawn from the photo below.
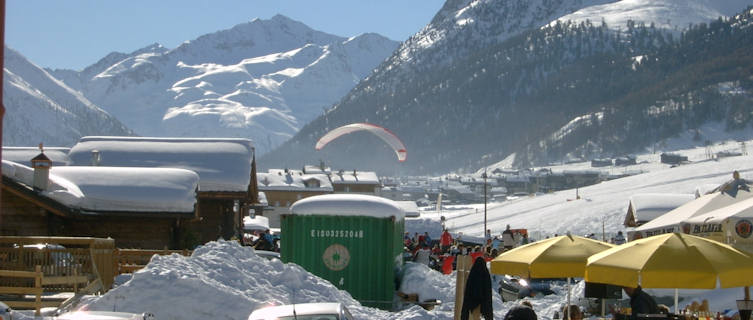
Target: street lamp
(484, 176)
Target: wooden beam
(27, 197)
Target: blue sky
(76, 33)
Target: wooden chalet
(97, 202)
(644, 207)
(363, 182)
(226, 168)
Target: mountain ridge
(450, 115)
(261, 80)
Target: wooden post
(463, 268)
(2, 107)
(38, 285)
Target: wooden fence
(34, 269)
(40, 281)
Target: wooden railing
(40, 267)
(40, 281)
(33, 268)
(60, 256)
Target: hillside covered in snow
(41, 109)
(262, 80)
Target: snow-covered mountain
(673, 15)
(40, 108)
(489, 78)
(262, 80)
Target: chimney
(41, 165)
(96, 157)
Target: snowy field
(223, 280)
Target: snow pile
(221, 280)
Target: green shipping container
(354, 241)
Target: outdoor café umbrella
(671, 260)
(558, 257)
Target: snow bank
(221, 280)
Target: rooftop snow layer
(360, 177)
(223, 164)
(293, 181)
(115, 188)
(23, 155)
(348, 205)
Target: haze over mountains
(261, 80)
(534, 81)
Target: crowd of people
(262, 240)
(440, 254)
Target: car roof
(99, 315)
(300, 309)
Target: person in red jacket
(445, 241)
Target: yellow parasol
(672, 260)
(558, 257)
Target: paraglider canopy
(386, 135)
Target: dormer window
(311, 183)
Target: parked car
(104, 315)
(269, 255)
(303, 311)
(5, 312)
(514, 288)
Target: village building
(672, 158)
(644, 207)
(227, 189)
(362, 182)
(283, 187)
(137, 207)
(602, 162)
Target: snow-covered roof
(293, 181)
(256, 223)
(263, 199)
(224, 164)
(23, 155)
(115, 189)
(741, 209)
(360, 177)
(704, 204)
(409, 207)
(644, 207)
(316, 169)
(348, 205)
